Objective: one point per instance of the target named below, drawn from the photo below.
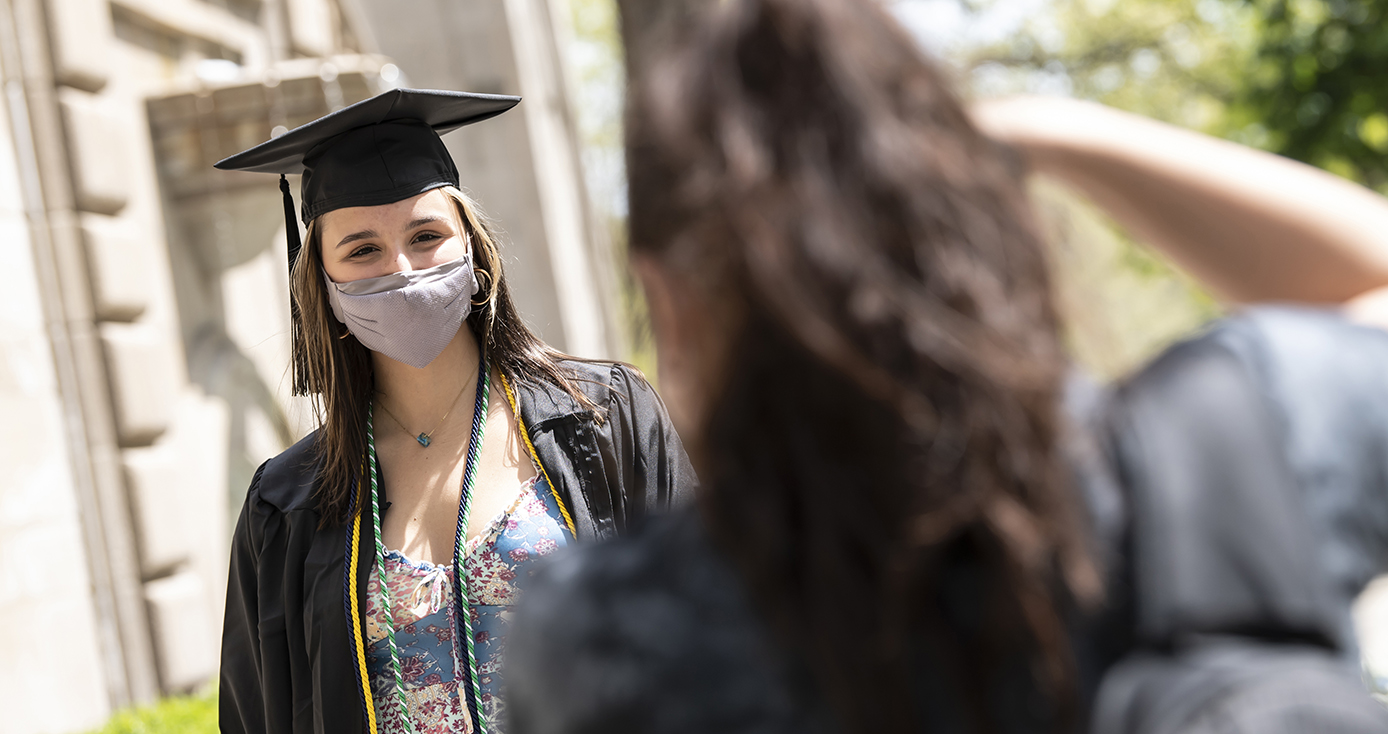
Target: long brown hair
(337, 371)
(880, 459)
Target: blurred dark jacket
(1238, 494)
(288, 655)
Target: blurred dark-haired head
(857, 331)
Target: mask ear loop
(298, 359)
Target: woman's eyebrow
(365, 234)
(431, 219)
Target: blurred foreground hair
(880, 454)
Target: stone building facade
(143, 326)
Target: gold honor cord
(525, 435)
(356, 626)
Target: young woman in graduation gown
(451, 438)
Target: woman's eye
(426, 237)
(362, 251)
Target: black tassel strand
(298, 359)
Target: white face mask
(408, 316)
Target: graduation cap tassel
(291, 224)
(298, 357)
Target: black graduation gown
(289, 657)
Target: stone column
(58, 71)
(46, 583)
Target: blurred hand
(1370, 309)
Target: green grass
(195, 714)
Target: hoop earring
(478, 273)
(346, 332)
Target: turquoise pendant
(423, 440)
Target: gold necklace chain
(424, 439)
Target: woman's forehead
(434, 204)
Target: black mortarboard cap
(378, 151)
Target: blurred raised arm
(1251, 225)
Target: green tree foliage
(1302, 78)
(1181, 61)
(1317, 88)
(595, 58)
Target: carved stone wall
(227, 242)
(45, 582)
(144, 322)
(114, 522)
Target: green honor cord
(460, 592)
(381, 578)
(462, 608)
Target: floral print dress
(421, 594)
